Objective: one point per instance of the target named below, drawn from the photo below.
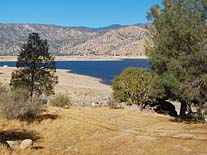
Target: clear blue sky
(91, 13)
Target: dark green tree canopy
(35, 67)
(177, 49)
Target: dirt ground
(79, 88)
(104, 131)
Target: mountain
(111, 27)
(111, 40)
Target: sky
(90, 13)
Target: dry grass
(103, 131)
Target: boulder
(148, 108)
(122, 105)
(95, 104)
(134, 107)
(12, 144)
(27, 143)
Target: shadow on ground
(40, 118)
(186, 121)
(10, 135)
(46, 116)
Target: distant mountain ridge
(125, 40)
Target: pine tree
(35, 68)
(177, 49)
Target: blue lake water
(106, 70)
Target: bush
(3, 88)
(132, 86)
(61, 100)
(112, 103)
(17, 105)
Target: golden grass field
(104, 131)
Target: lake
(105, 70)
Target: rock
(12, 144)
(148, 108)
(134, 107)
(104, 105)
(67, 107)
(66, 149)
(27, 143)
(95, 104)
(122, 105)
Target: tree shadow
(15, 135)
(47, 116)
(41, 118)
(37, 147)
(186, 121)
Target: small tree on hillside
(35, 68)
(177, 49)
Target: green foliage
(132, 86)
(18, 105)
(35, 68)
(61, 100)
(176, 47)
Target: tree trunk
(32, 83)
(183, 109)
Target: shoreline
(81, 58)
(79, 88)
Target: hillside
(106, 41)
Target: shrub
(112, 103)
(17, 105)
(61, 100)
(132, 86)
(3, 88)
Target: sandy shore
(80, 58)
(81, 89)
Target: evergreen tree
(35, 68)
(177, 49)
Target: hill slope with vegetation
(114, 40)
